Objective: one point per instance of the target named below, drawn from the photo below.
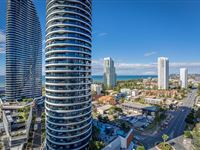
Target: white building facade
(184, 77)
(68, 74)
(109, 73)
(97, 88)
(163, 73)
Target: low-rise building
(122, 141)
(153, 101)
(129, 92)
(107, 100)
(134, 93)
(97, 88)
(17, 117)
(141, 108)
(126, 91)
(101, 110)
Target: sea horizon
(96, 78)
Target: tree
(190, 118)
(187, 134)
(96, 145)
(140, 148)
(95, 133)
(165, 137)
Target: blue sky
(135, 32)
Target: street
(175, 127)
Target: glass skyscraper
(68, 74)
(109, 73)
(23, 51)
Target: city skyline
(146, 51)
(155, 34)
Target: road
(175, 127)
(37, 135)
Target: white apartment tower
(109, 73)
(184, 77)
(68, 74)
(163, 73)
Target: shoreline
(95, 78)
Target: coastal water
(97, 78)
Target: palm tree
(165, 137)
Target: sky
(135, 33)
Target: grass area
(24, 113)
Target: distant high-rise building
(184, 77)
(109, 73)
(68, 74)
(23, 51)
(163, 73)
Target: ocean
(97, 78)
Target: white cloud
(183, 64)
(2, 49)
(143, 69)
(2, 37)
(150, 73)
(126, 66)
(102, 34)
(150, 53)
(2, 41)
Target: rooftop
(140, 106)
(104, 107)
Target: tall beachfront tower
(184, 77)
(163, 73)
(68, 74)
(109, 73)
(23, 51)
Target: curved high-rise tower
(68, 74)
(23, 51)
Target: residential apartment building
(23, 51)
(109, 73)
(68, 74)
(163, 73)
(184, 77)
(97, 88)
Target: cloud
(2, 36)
(184, 64)
(150, 54)
(102, 34)
(2, 41)
(125, 66)
(150, 73)
(2, 50)
(143, 68)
